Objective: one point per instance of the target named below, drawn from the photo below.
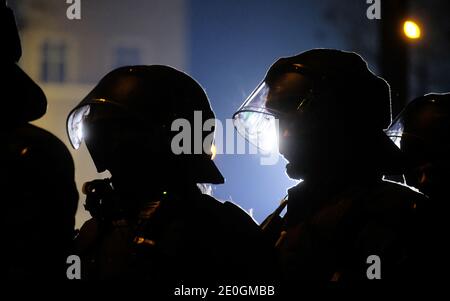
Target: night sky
(233, 43)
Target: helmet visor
(395, 131)
(276, 97)
(75, 125)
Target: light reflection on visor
(258, 128)
(395, 132)
(256, 123)
(278, 96)
(75, 125)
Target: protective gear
(423, 126)
(148, 98)
(332, 111)
(301, 86)
(328, 98)
(26, 100)
(150, 220)
(180, 235)
(421, 131)
(330, 233)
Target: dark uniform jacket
(188, 236)
(330, 234)
(40, 199)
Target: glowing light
(75, 125)
(79, 131)
(139, 240)
(397, 141)
(411, 30)
(268, 136)
(24, 151)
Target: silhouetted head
(422, 131)
(331, 110)
(22, 99)
(126, 122)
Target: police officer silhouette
(37, 183)
(150, 220)
(331, 111)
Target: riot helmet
(129, 114)
(320, 92)
(422, 132)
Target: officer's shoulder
(38, 135)
(46, 151)
(226, 208)
(395, 197)
(228, 213)
(40, 139)
(401, 191)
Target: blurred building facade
(68, 57)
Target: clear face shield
(418, 131)
(256, 123)
(257, 120)
(395, 132)
(87, 117)
(75, 125)
(417, 124)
